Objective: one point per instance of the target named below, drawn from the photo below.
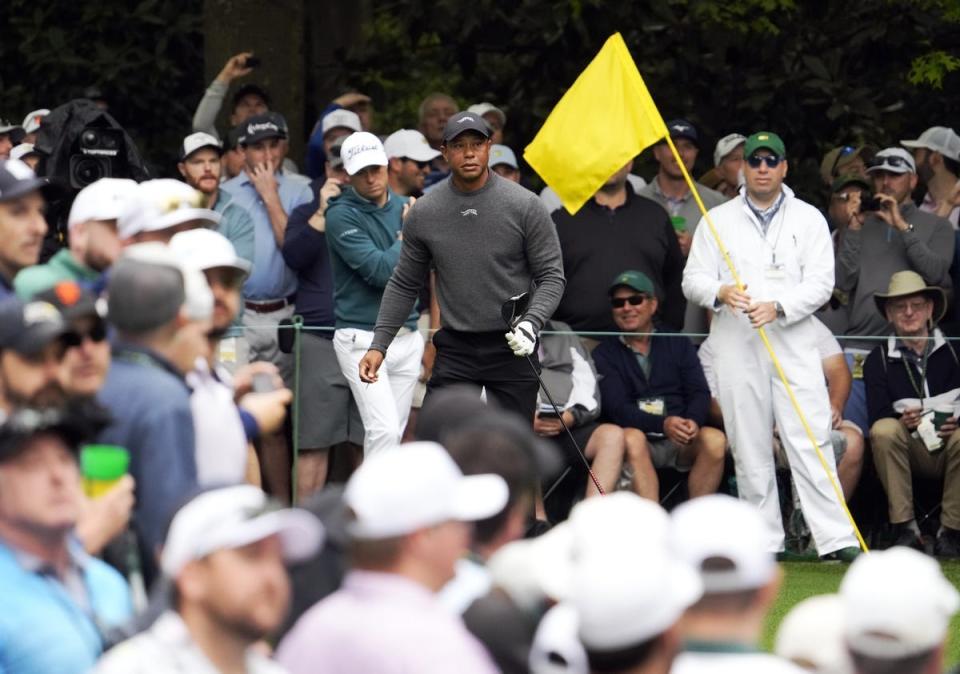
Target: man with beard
(200, 166)
(225, 557)
(22, 226)
(93, 242)
(223, 429)
(32, 344)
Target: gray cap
(143, 296)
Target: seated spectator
(200, 165)
(669, 189)
(503, 162)
(569, 374)
(409, 156)
(409, 511)
(22, 226)
(33, 341)
(937, 154)
(725, 540)
(93, 244)
(161, 313)
(58, 602)
(902, 628)
(845, 160)
(495, 118)
(158, 209)
(876, 245)
(914, 373)
(617, 229)
(224, 557)
(654, 387)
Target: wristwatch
(779, 308)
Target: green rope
(297, 331)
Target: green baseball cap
(850, 179)
(764, 140)
(633, 279)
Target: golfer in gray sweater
(488, 239)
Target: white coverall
(792, 264)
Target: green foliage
(821, 73)
(146, 55)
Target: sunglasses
(634, 300)
(893, 162)
(845, 151)
(771, 160)
(96, 334)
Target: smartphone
(252, 62)
(263, 383)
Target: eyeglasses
(634, 300)
(96, 334)
(420, 164)
(771, 160)
(915, 306)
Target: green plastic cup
(101, 467)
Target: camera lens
(88, 170)
(89, 138)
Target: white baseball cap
(893, 160)
(939, 139)
(812, 634)
(233, 517)
(31, 122)
(726, 145)
(207, 249)
(896, 603)
(162, 203)
(628, 598)
(501, 154)
(360, 150)
(340, 118)
(483, 108)
(409, 144)
(414, 486)
(198, 298)
(106, 199)
(22, 150)
(198, 140)
(728, 528)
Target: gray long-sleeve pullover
(486, 246)
(869, 257)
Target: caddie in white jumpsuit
(781, 248)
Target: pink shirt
(382, 623)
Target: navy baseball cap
(681, 128)
(28, 328)
(463, 122)
(17, 179)
(261, 127)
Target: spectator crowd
(398, 412)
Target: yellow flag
(605, 119)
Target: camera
(252, 62)
(870, 203)
(98, 156)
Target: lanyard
(758, 225)
(923, 372)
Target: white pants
(752, 397)
(385, 405)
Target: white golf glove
(522, 339)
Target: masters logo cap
(764, 140)
(636, 280)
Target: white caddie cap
(628, 598)
(501, 154)
(893, 160)
(720, 526)
(726, 145)
(232, 517)
(939, 139)
(896, 603)
(22, 150)
(162, 203)
(415, 486)
(360, 150)
(198, 140)
(811, 634)
(106, 199)
(409, 144)
(207, 249)
(340, 118)
(31, 122)
(482, 109)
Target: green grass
(805, 579)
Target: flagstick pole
(766, 342)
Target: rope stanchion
(297, 326)
(773, 356)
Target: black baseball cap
(72, 300)
(261, 127)
(28, 328)
(17, 179)
(251, 89)
(76, 423)
(681, 128)
(462, 122)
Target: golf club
(512, 312)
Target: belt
(268, 306)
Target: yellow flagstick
(773, 355)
